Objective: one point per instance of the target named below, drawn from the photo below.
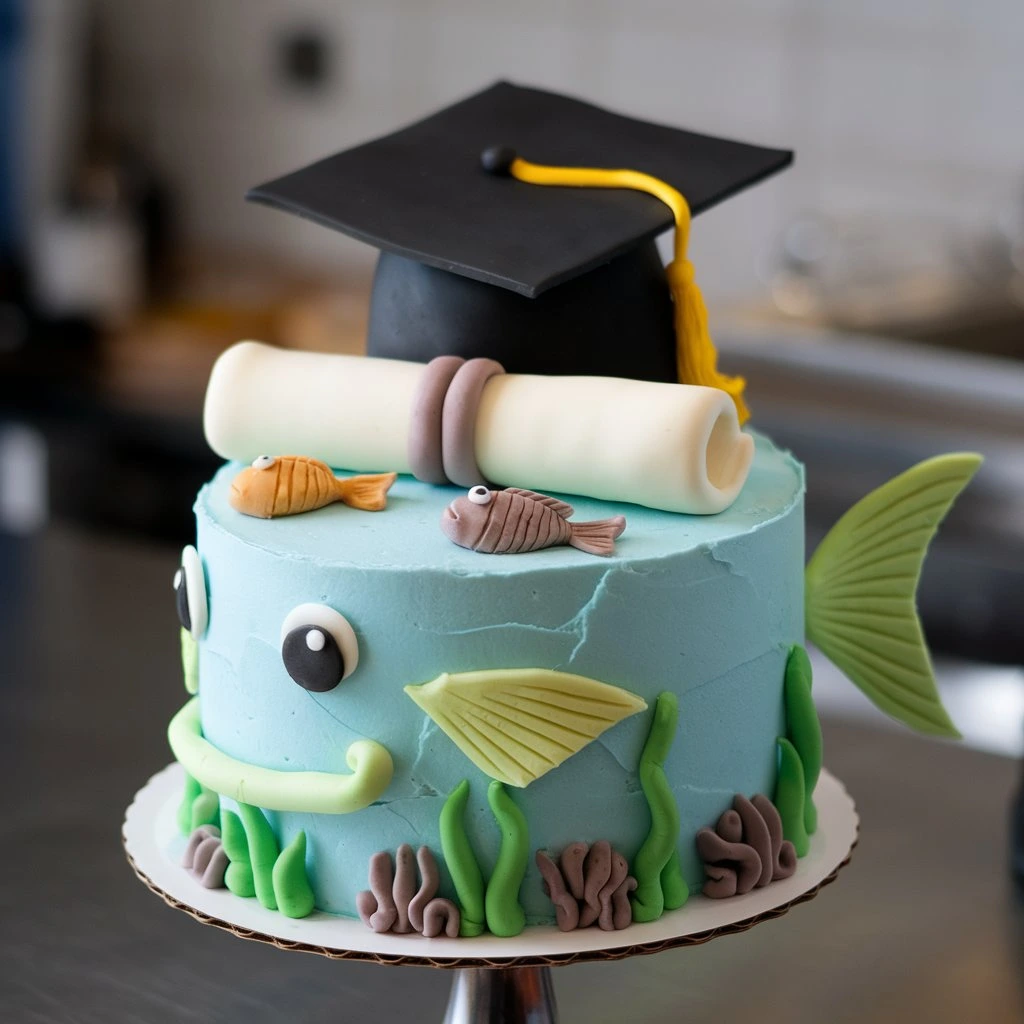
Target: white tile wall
(901, 107)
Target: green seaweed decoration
(462, 863)
(660, 882)
(803, 728)
(238, 877)
(505, 915)
(199, 806)
(263, 851)
(790, 791)
(255, 868)
(861, 585)
(292, 890)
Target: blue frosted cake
(706, 608)
(501, 625)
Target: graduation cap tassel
(696, 356)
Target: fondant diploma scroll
(676, 447)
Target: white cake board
(518, 984)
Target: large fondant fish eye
(479, 495)
(190, 593)
(318, 647)
(263, 462)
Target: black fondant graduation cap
(545, 280)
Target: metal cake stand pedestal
(499, 981)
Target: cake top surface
(408, 533)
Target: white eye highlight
(190, 593)
(479, 495)
(318, 647)
(263, 462)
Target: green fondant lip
(273, 790)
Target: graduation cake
(502, 624)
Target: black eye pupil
(181, 600)
(318, 671)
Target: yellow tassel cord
(695, 351)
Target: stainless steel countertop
(923, 925)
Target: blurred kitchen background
(873, 294)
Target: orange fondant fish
(285, 485)
(514, 520)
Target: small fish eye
(318, 647)
(190, 593)
(263, 462)
(479, 495)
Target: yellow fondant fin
(861, 587)
(517, 724)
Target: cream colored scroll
(676, 447)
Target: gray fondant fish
(514, 520)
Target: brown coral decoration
(745, 850)
(588, 884)
(205, 858)
(394, 903)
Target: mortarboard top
(583, 258)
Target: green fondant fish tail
(656, 866)
(462, 863)
(292, 890)
(804, 728)
(505, 914)
(861, 585)
(263, 853)
(789, 797)
(238, 877)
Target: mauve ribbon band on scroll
(675, 447)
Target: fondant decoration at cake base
(517, 724)
(505, 915)
(287, 485)
(861, 584)
(803, 728)
(514, 520)
(199, 806)
(190, 593)
(315, 792)
(205, 858)
(746, 849)
(292, 891)
(258, 867)
(791, 796)
(238, 878)
(462, 863)
(396, 903)
(588, 885)
(696, 355)
(579, 435)
(660, 883)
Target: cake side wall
(712, 623)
